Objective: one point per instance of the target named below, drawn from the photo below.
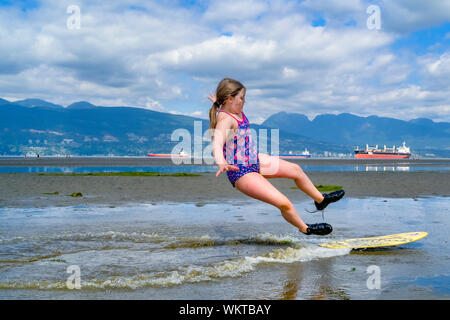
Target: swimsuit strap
(244, 117)
(232, 116)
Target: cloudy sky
(386, 57)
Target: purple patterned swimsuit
(241, 151)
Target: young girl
(235, 152)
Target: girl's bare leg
(256, 186)
(274, 167)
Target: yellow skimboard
(374, 242)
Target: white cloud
(198, 114)
(435, 71)
(155, 54)
(440, 67)
(154, 105)
(234, 10)
(335, 8)
(214, 57)
(397, 16)
(404, 16)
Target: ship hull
(381, 156)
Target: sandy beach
(27, 189)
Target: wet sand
(27, 189)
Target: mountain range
(34, 126)
(422, 135)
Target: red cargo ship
(402, 152)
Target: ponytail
(213, 115)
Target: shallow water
(235, 250)
(202, 169)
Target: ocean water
(201, 169)
(82, 169)
(90, 165)
(234, 250)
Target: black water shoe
(320, 229)
(329, 198)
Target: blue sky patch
(319, 22)
(436, 39)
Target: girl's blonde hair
(226, 88)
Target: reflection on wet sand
(319, 288)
